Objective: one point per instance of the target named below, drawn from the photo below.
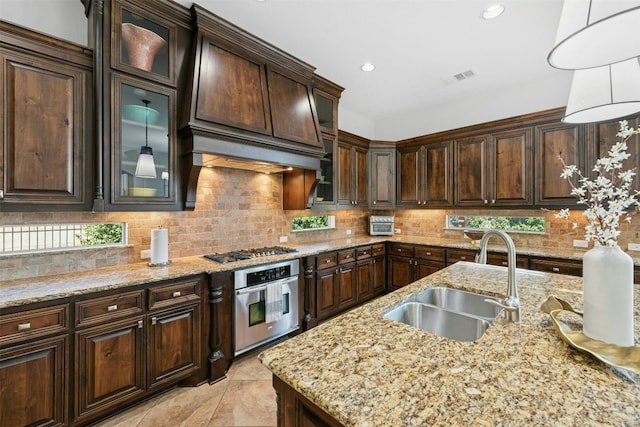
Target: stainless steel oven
(266, 303)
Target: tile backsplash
(242, 209)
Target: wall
(235, 209)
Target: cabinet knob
(24, 326)
(327, 261)
(464, 258)
(154, 320)
(505, 263)
(428, 253)
(486, 201)
(374, 202)
(493, 202)
(113, 307)
(176, 294)
(140, 324)
(556, 269)
(1, 194)
(419, 202)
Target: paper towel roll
(159, 246)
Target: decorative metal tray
(619, 357)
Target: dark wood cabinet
(352, 170)
(494, 170)
(382, 175)
(424, 177)
(552, 142)
(34, 367)
(370, 272)
(553, 265)
(407, 263)
(46, 153)
(327, 95)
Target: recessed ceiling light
(493, 11)
(367, 66)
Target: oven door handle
(253, 289)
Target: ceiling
(416, 45)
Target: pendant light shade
(592, 33)
(146, 167)
(604, 93)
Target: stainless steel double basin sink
(447, 312)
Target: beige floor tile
(248, 369)
(247, 403)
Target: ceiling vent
(465, 75)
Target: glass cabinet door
(144, 151)
(325, 188)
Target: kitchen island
(361, 369)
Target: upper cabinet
(494, 170)
(45, 108)
(140, 48)
(352, 170)
(382, 175)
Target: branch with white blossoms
(609, 196)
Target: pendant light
(593, 33)
(604, 93)
(146, 167)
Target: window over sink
(313, 222)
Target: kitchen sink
(445, 323)
(459, 301)
(447, 312)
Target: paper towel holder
(158, 264)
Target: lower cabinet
(412, 263)
(34, 367)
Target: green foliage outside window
(100, 234)
(509, 223)
(310, 222)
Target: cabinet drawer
(34, 323)
(502, 259)
(572, 268)
(377, 249)
(346, 256)
(174, 293)
(327, 260)
(430, 253)
(401, 249)
(108, 308)
(460, 255)
(363, 253)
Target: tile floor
(245, 398)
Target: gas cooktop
(243, 254)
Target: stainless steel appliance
(252, 326)
(380, 225)
(243, 254)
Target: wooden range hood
(249, 104)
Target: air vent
(459, 76)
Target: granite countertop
(25, 291)
(365, 370)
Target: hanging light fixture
(604, 93)
(592, 33)
(146, 167)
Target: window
(43, 237)
(535, 224)
(313, 222)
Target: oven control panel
(268, 275)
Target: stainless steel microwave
(380, 225)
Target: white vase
(607, 273)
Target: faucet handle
(511, 305)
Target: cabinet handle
(1, 194)
(464, 258)
(399, 250)
(505, 263)
(374, 202)
(176, 294)
(428, 253)
(555, 269)
(493, 202)
(327, 261)
(24, 326)
(113, 307)
(419, 202)
(154, 320)
(140, 324)
(486, 201)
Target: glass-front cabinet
(143, 142)
(325, 191)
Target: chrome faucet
(511, 303)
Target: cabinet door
(326, 189)
(347, 290)
(511, 168)
(378, 275)
(43, 160)
(471, 171)
(327, 106)
(345, 177)
(327, 293)
(34, 383)
(382, 169)
(438, 176)
(110, 366)
(425, 268)
(232, 89)
(554, 141)
(359, 177)
(409, 183)
(606, 137)
(364, 277)
(173, 344)
(399, 271)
